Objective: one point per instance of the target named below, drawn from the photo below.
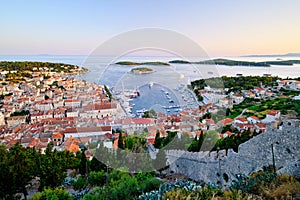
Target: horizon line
(138, 55)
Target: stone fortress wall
(252, 155)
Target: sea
(165, 89)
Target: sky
(220, 27)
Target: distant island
(141, 63)
(221, 61)
(142, 70)
(275, 55)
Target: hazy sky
(221, 27)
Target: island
(141, 63)
(142, 70)
(221, 61)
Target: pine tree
(157, 141)
(83, 163)
(120, 141)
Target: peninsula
(221, 61)
(40, 67)
(15, 72)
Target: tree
(120, 141)
(96, 165)
(108, 93)
(6, 182)
(157, 141)
(83, 162)
(52, 168)
(150, 114)
(81, 183)
(22, 168)
(97, 178)
(201, 140)
(228, 111)
(193, 146)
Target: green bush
(97, 178)
(52, 194)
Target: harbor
(136, 102)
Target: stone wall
(252, 155)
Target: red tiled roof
(34, 142)
(273, 112)
(100, 106)
(143, 120)
(242, 119)
(73, 148)
(261, 125)
(260, 89)
(238, 95)
(57, 135)
(254, 117)
(72, 101)
(17, 130)
(88, 129)
(228, 133)
(227, 121)
(151, 140)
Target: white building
(16, 120)
(237, 98)
(2, 120)
(212, 97)
(272, 116)
(295, 85)
(44, 106)
(72, 103)
(72, 113)
(253, 120)
(296, 97)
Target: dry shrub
(288, 186)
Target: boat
(142, 110)
(131, 115)
(267, 75)
(175, 106)
(171, 101)
(239, 74)
(151, 84)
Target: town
(50, 107)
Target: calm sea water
(169, 78)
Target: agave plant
(159, 194)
